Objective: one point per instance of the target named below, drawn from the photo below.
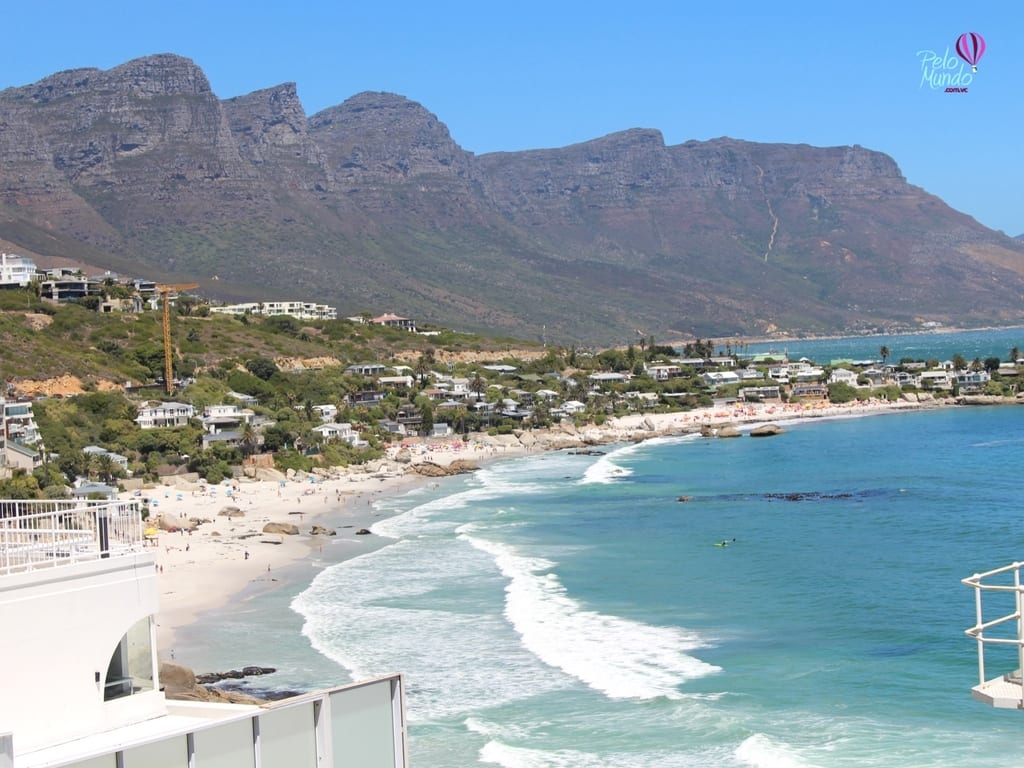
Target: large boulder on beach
(766, 430)
(231, 511)
(319, 530)
(168, 522)
(457, 467)
(179, 684)
(728, 431)
(269, 474)
(286, 528)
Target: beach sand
(201, 571)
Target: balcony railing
(999, 630)
(49, 533)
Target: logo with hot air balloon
(948, 71)
(970, 47)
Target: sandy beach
(200, 570)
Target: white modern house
(225, 418)
(342, 432)
(154, 414)
(16, 270)
(81, 688)
(843, 376)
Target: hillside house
(16, 271)
(809, 391)
(325, 412)
(664, 371)
(225, 418)
(18, 423)
(397, 382)
(156, 415)
(391, 320)
(367, 397)
(605, 378)
(875, 376)
(760, 394)
(843, 376)
(367, 369)
(935, 379)
(720, 378)
(334, 432)
(807, 374)
(70, 289)
(972, 382)
(243, 399)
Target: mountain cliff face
(371, 205)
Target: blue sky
(532, 74)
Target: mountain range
(371, 205)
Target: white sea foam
(498, 753)
(458, 654)
(608, 468)
(430, 517)
(619, 657)
(761, 752)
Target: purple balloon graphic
(970, 47)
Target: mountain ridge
(372, 205)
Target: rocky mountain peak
(164, 74)
(375, 136)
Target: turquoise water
(558, 610)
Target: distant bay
(917, 346)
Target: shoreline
(202, 571)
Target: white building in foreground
(81, 688)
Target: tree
(1014, 355)
(959, 363)
(477, 385)
(884, 352)
(249, 440)
(992, 364)
(422, 368)
(261, 367)
(103, 467)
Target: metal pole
(981, 632)
(1020, 629)
(103, 525)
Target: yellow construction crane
(165, 291)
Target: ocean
(569, 611)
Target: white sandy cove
(200, 571)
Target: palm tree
(884, 352)
(104, 467)
(422, 368)
(249, 440)
(1014, 355)
(477, 385)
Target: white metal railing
(1005, 583)
(49, 533)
